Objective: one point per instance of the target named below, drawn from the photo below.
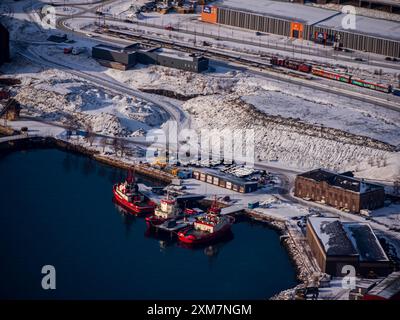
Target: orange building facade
(209, 14)
(296, 30)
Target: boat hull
(154, 221)
(205, 238)
(147, 208)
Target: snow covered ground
(184, 83)
(389, 216)
(188, 24)
(294, 125)
(270, 204)
(57, 96)
(288, 128)
(321, 108)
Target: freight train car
(291, 64)
(374, 86)
(346, 78)
(331, 75)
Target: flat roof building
(336, 244)
(226, 181)
(306, 22)
(174, 59)
(121, 58)
(339, 190)
(277, 9)
(126, 57)
(383, 5)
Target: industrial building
(127, 57)
(341, 191)
(174, 59)
(115, 57)
(4, 45)
(226, 181)
(309, 23)
(336, 244)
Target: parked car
(169, 27)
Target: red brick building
(339, 190)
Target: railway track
(258, 67)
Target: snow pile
(387, 168)
(388, 216)
(119, 7)
(60, 98)
(178, 81)
(293, 143)
(20, 29)
(325, 109)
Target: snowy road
(107, 82)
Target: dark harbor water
(56, 209)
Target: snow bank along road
(175, 113)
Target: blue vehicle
(253, 204)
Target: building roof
(282, 10)
(365, 241)
(365, 25)
(332, 237)
(389, 286)
(128, 49)
(227, 177)
(175, 54)
(315, 16)
(348, 239)
(318, 175)
(340, 181)
(56, 38)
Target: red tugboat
(208, 227)
(127, 195)
(168, 209)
